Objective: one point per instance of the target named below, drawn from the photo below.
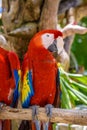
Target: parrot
(10, 75)
(40, 73)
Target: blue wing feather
(30, 82)
(16, 94)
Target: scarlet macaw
(9, 82)
(40, 71)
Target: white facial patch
(60, 44)
(47, 39)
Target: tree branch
(58, 115)
(70, 29)
(25, 31)
(14, 7)
(48, 19)
(67, 4)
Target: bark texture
(23, 18)
(71, 116)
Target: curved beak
(53, 46)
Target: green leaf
(66, 103)
(79, 86)
(73, 96)
(76, 77)
(82, 80)
(80, 95)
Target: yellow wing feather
(27, 89)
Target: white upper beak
(60, 44)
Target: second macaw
(40, 71)
(9, 82)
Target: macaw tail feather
(6, 125)
(24, 124)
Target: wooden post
(58, 115)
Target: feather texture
(27, 89)
(44, 68)
(9, 81)
(17, 77)
(16, 74)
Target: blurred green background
(79, 46)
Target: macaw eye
(47, 35)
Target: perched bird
(40, 74)
(9, 82)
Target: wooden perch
(71, 29)
(58, 115)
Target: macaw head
(49, 40)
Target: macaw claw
(34, 114)
(34, 111)
(48, 108)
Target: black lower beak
(53, 47)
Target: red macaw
(40, 71)
(9, 82)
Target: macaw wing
(16, 74)
(27, 89)
(17, 77)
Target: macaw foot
(2, 105)
(48, 108)
(34, 116)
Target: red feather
(8, 62)
(44, 69)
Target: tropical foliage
(79, 47)
(74, 89)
